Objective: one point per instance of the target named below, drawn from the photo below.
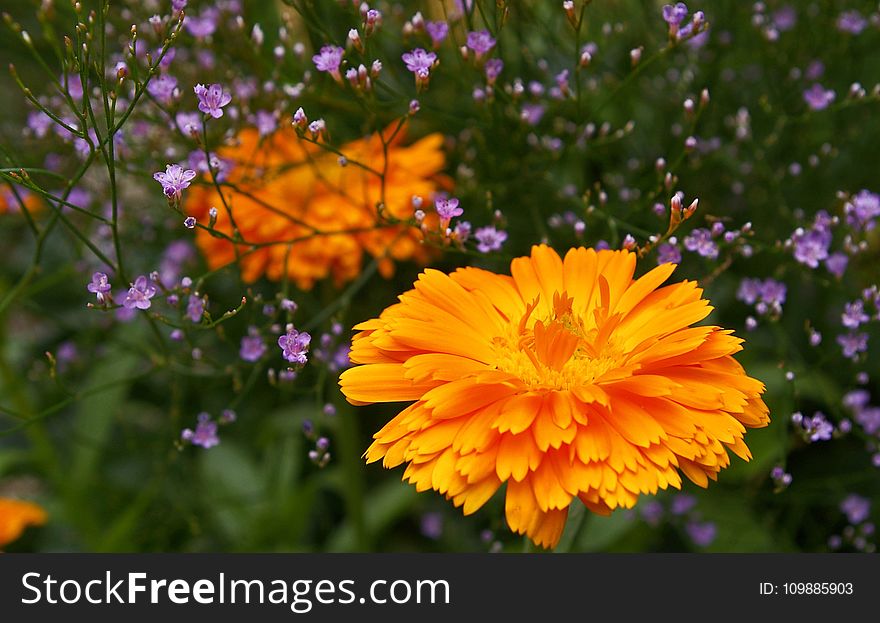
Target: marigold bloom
(290, 191)
(568, 379)
(15, 516)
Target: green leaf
(95, 413)
(388, 503)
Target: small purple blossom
(204, 25)
(328, 60)
(189, 122)
(493, 69)
(220, 167)
(205, 434)
(212, 99)
(862, 210)
(682, 503)
(818, 98)
(266, 122)
(140, 293)
(99, 285)
(431, 525)
(785, 18)
(780, 477)
(252, 346)
(854, 314)
(163, 88)
(294, 345)
(749, 290)
(836, 264)
(532, 113)
(851, 22)
(811, 247)
(652, 512)
(489, 239)
(174, 180)
(817, 428)
(674, 15)
(419, 61)
(447, 208)
(852, 344)
(195, 308)
(39, 123)
(702, 533)
(856, 508)
(480, 42)
(700, 241)
(438, 31)
(668, 253)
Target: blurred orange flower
(9, 202)
(15, 516)
(568, 379)
(321, 206)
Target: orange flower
(325, 214)
(9, 203)
(15, 516)
(568, 379)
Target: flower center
(556, 352)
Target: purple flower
(851, 22)
(785, 18)
(266, 122)
(140, 293)
(431, 525)
(836, 264)
(810, 247)
(195, 308)
(862, 209)
(817, 428)
(700, 241)
(462, 231)
(668, 254)
(163, 88)
(204, 25)
(489, 239)
(869, 419)
(493, 68)
(212, 99)
(854, 314)
(200, 162)
(438, 31)
(749, 291)
(294, 345)
(188, 122)
(178, 5)
(480, 42)
(674, 15)
(532, 113)
(39, 123)
(856, 508)
(651, 511)
(856, 400)
(328, 60)
(818, 98)
(447, 208)
(814, 70)
(702, 533)
(773, 292)
(252, 345)
(419, 61)
(174, 180)
(99, 285)
(682, 503)
(205, 434)
(852, 344)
